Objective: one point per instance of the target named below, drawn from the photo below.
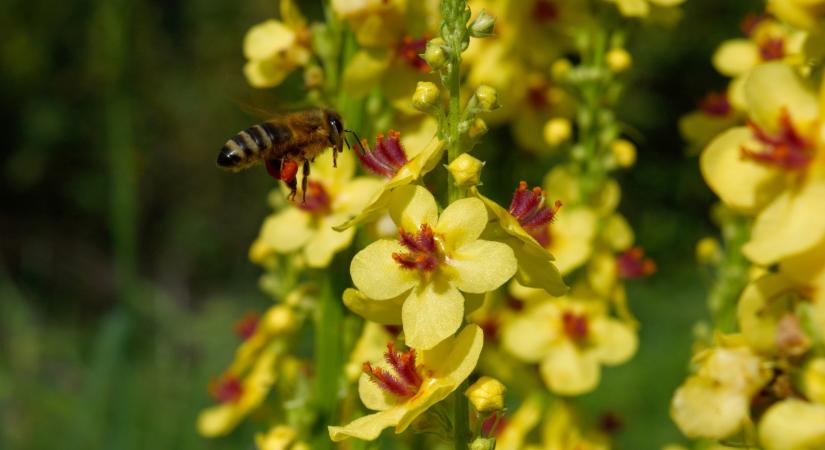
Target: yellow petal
(615, 341)
(354, 196)
(793, 425)
(264, 73)
(760, 308)
(413, 206)
(267, 39)
(462, 222)
(633, 8)
(774, 86)
(333, 178)
(370, 346)
(482, 266)
(740, 183)
(372, 396)
(530, 335)
(572, 238)
(382, 311)
(537, 270)
(431, 313)
(377, 274)
(279, 437)
(703, 410)
(735, 57)
(287, 230)
(327, 242)
(218, 420)
(568, 370)
(617, 233)
(365, 71)
(792, 224)
(368, 427)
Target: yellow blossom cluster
(762, 383)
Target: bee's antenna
(357, 140)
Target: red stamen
(715, 104)
(575, 326)
(545, 11)
(226, 389)
(495, 420)
(751, 21)
(409, 50)
(403, 379)
(633, 264)
(387, 158)
(529, 208)
(786, 149)
(317, 201)
(423, 252)
(772, 48)
(245, 327)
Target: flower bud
(481, 443)
(486, 395)
(466, 170)
(280, 319)
(708, 250)
(434, 54)
(487, 98)
(618, 60)
(557, 130)
(477, 128)
(427, 97)
(560, 68)
(278, 437)
(483, 25)
(624, 152)
(813, 380)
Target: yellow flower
(526, 417)
(524, 224)
(276, 48)
(765, 312)
(813, 380)
(773, 167)
(715, 114)
(410, 169)
(571, 338)
(434, 260)
(805, 14)
(401, 388)
(258, 332)
(561, 431)
(715, 402)
(793, 425)
(306, 227)
(239, 394)
(279, 437)
(486, 394)
(370, 347)
(767, 40)
(642, 8)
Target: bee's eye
(337, 124)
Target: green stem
(328, 322)
(461, 423)
(454, 119)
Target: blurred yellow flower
(434, 260)
(793, 425)
(279, 437)
(332, 197)
(641, 8)
(239, 394)
(805, 14)
(571, 338)
(766, 40)
(715, 403)
(401, 387)
(276, 48)
(562, 431)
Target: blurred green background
(124, 250)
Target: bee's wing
(255, 111)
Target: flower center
(424, 254)
(387, 158)
(529, 208)
(545, 11)
(772, 48)
(317, 200)
(575, 326)
(402, 378)
(226, 389)
(715, 104)
(633, 264)
(409, 50)
(786, 149)
(245, 327)
(750, 22)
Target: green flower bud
(434, 54)
(483, 25)
(483, 444)
(427, 97)
(486, 394)
(466, 172)
(477, 128)
(486, 98)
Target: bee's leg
(305, 180)
(292, 184)
(335, 156)
(271, 169)
(289, 169)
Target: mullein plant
(440, 296)
(757, 380)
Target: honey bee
(284, 142)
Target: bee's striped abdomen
(252, 145)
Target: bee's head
(335, 121)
